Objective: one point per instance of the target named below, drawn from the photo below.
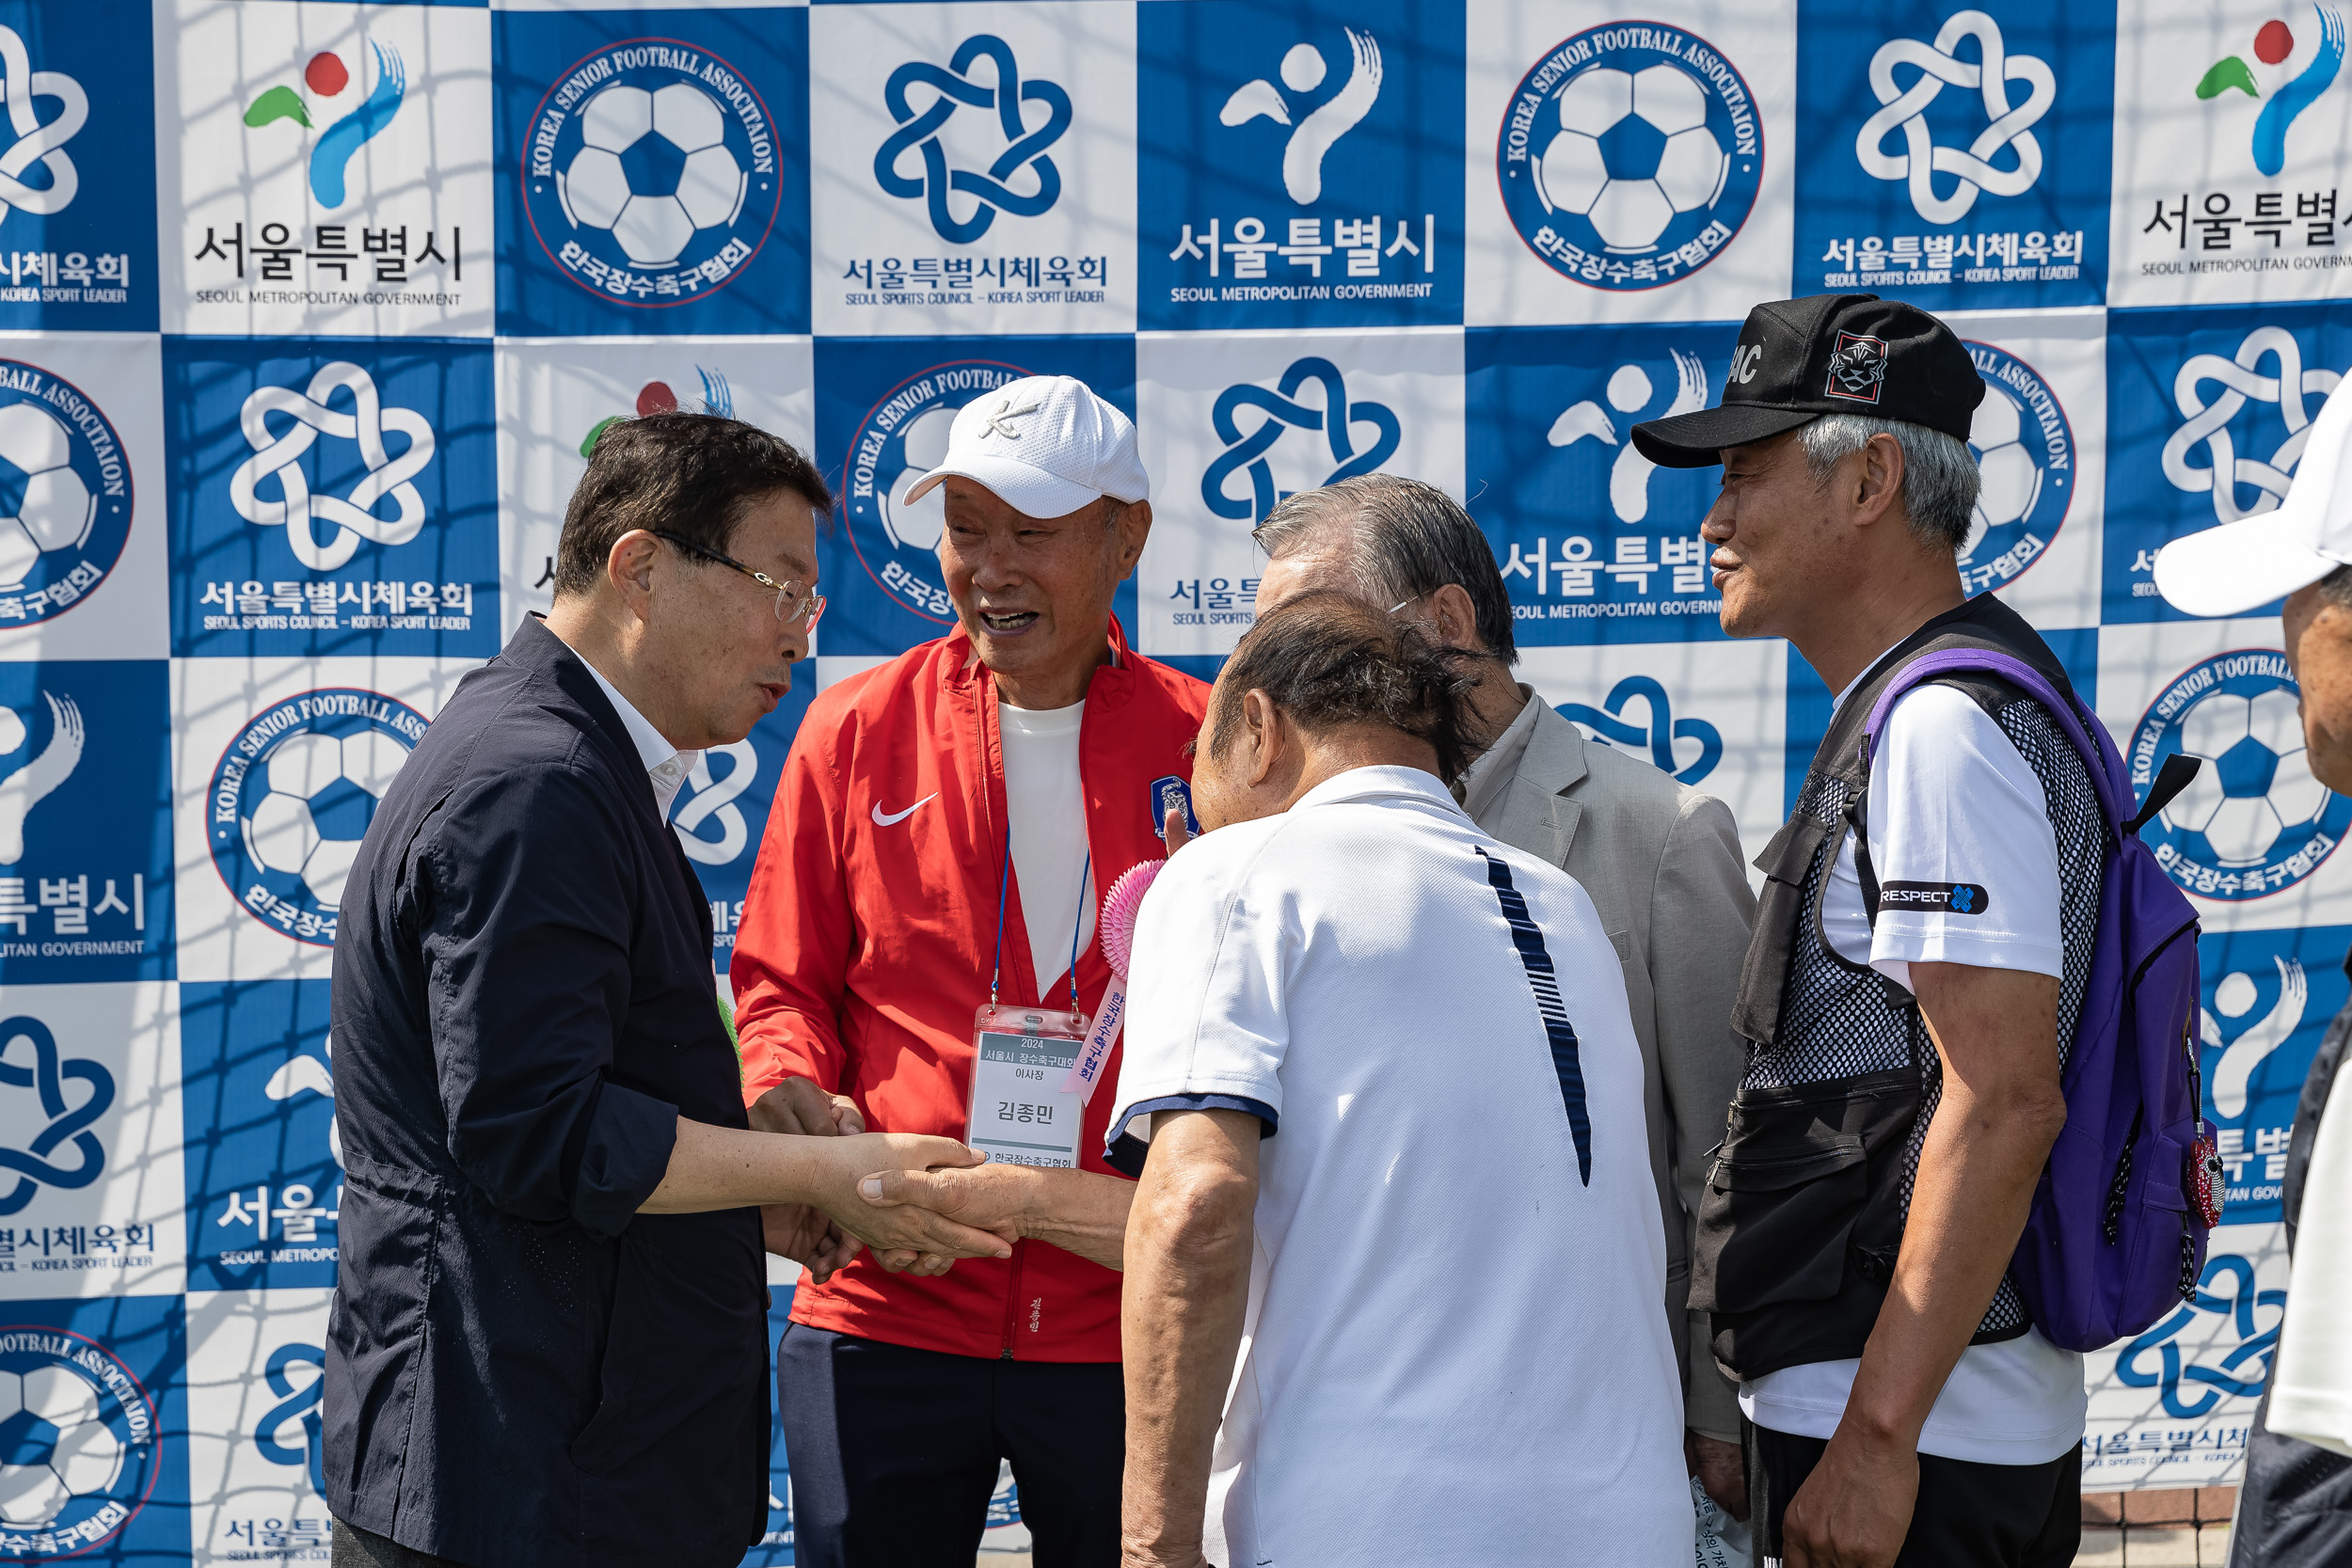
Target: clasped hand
(877, 1191)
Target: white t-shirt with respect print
(1952, 804)
(1442, 1301)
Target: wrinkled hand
(906, 1227)
(987, 1197)
(1854, 1510)
(1719, 1469)
(807, 1237)
(795, 1230)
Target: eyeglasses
(794, 602)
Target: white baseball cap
(1046, 444)
(2240, 566)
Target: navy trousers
(894, 1453)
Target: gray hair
(1940, 477)
(1404, 539)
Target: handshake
(917, 1203)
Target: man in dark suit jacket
(548, 1343)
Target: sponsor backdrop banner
(310, 312)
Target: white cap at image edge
(1046, 444)
(2243, 565)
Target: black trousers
(1969, 1516)
(894, 1453)
(359, 1548)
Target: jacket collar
(1537, 815)
(542, 653)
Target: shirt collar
(1371, 782)
(1494, 766)
(665, 764)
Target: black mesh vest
(1805, 1202)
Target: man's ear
(1264, 731)
(1133, 524)
(629, 568)
(1878, 480)
(1454, 618)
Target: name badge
(1020, 1113)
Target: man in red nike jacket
(946, 820)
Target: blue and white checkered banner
(309, 312)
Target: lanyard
(1004, 879)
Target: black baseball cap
(1826, 354)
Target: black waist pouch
(1801, 1220)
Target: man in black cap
(1906, 1007)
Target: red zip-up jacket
(866, 938)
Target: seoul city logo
(2294, 75)
(650, 177)
(38, 144)
(1632, 390)
(2008, 131)
(2024, 451)
(2294, 391)
(65, 1155)
(2251, 1038)
(1630, 155)
(34, 771)
(326, 78)
(302, 1448)
(1020, 179)
(292, 796)
(656, 397)
(2254, 820)
(902, 438)
(64, 490)
(324, 531)
(2190, 1387)
(1313, 131)
(1246, 450)
(79, 1455)
(302, 1073)
(1611, 726)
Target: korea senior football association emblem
(650, 177)
(1630, 155)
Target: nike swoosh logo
(882, 820)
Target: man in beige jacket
(1655, 856)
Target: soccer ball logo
(1634, 151)
(1629, 156)
(2254, 820)
(653, 169)
(44, 505)
(2024, 450)
(2012, 480)
(322, 795)
(54, 1444)
(293, 796)
(917, 525)
(902, 438)
(2257, 781)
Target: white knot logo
(1905, 108)
(279, 455)
(2208, 423)
(36, 142)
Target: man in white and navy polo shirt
(1383, 1091)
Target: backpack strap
(2108, 778)
(2100, 757)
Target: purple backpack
(2120, 1219)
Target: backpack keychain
(2206, 1182)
